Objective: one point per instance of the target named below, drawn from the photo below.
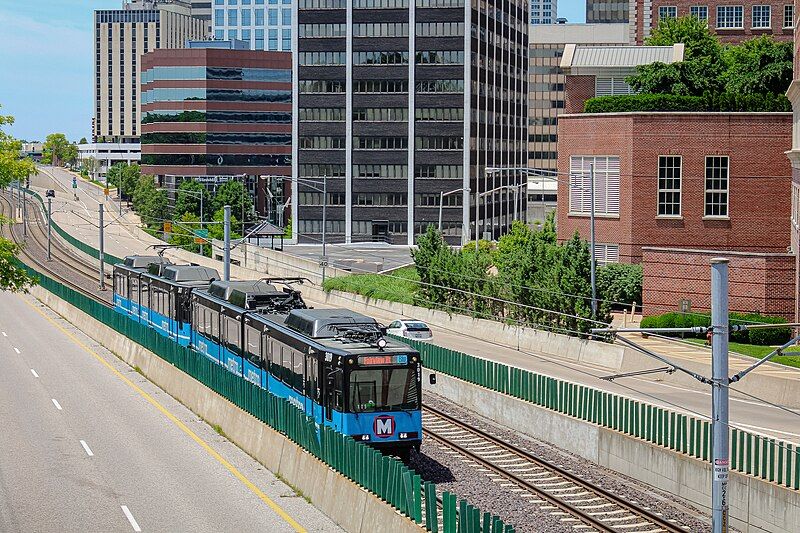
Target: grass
(399, 286)
(218, 429)
(138, 370)
(297, 491)
(757, 352)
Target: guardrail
(384, 476)
(764, 457)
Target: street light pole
(227, 266)
(592, 243)
(201, 217)
(719, 394)
(25, 217)
(324, 224)
(101, 254)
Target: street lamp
(311, 184)
(441, 201)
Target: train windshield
(383, 389)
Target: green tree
(702, 65)
(129, 177)
(83, 141)
(759, 65)
(12, 167)
(188, 199)
(183, 232)
(56, 149)
(149, 202)
(234, 194)
(114, 173)
(70, 154)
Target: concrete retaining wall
(364, 512)
(755, 505)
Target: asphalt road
(745, 413)
(90, 445)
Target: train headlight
(381, 343)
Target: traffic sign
(200, 236)
(105, 191)
(74, 182)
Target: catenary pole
(324, 225)
(101, 254)
(592, 241)
(227, 266)
(719, 394)
(49, 223)
(25, 217)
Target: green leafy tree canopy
(56, 149)
(188, 199)
(760, 65)
(234, 194)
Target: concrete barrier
(327, 489)
(755, 505)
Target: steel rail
(584, 517)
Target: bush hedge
(723, 102)
(761, 337)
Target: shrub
(619, 282)
(721, 102)
(643, 102)
(761, 337)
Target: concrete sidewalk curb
(327, 489)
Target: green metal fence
(757, 455)
(80, 245)
(384, 476)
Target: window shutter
(612, 185)
(603, 86)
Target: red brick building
(733, 22)
(794, 156)
(216, 114)
(677, 278)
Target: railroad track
(59, 252)
(583, 505)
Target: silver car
(411, 329)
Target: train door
(328, 393)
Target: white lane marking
(4, 334)
(16, 349)
(130, 518)
(58, 405)
(86, 447)
(34, 373)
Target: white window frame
(606, 185)
(606, 253)
(762, 8)
(788, 9)
(722, 9)
(679, 190)
(662, 12)
(726, 191)
(698, 8)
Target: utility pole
(25, 217)
(49, 223)
(201, 216)
(101, 255)
(592, 242)
(324, 224)
(719, 394)
(227, 266)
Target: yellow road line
(232, 469)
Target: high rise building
(397, 102)
(212, 113)
(265, 24)
(605, 11)
(121, 37)
(201, 9)
(544, 11)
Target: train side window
(312, 371)
(338, 396)
(286, 364)
(215, 324)
(298, 370)
(144, 288)
(134, 289)
(253, 345)
(232, 334)
(265, 351)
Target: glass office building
(265, 24)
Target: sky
(46, 55)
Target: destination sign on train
(383, 360)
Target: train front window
(383, 389)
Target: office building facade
(264, 24)
(417, 99)
(544, 11)
(608, 11)
(121, 37)
(213, 115)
